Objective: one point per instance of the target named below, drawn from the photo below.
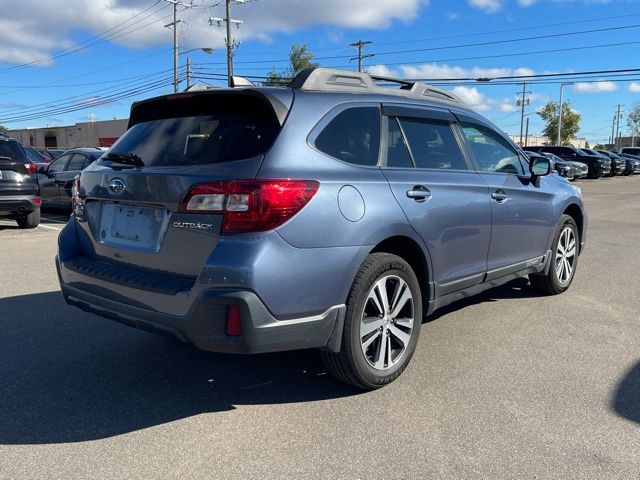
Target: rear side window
(76, 162)
(397, 152)
(200, 129)
(491, 151)
(433, 144)
(352, 136)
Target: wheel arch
(415, 255)
(575, 212)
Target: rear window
(12, 150)
(208, 130)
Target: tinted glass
(197, 140)
(433, 144)
(12, 150)
(34, 156)
(77, 160)
(59, 164)
(397, 152)
(492, 152)
(352, 136)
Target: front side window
(352, 136)
(433, 144)
(397, 152)
(492, 152)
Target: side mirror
(539, 166)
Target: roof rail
(330, 79)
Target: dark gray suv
(335, 214)
(19, 190)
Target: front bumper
(204, 324)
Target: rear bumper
(205, 323)
(15, 204)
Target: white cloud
(489, 6)
(634, 87)
(526, 3)
(27, 32)
(595, 87)
(472, 97)
(439, 71)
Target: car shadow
(626, 400)
(518, 288)
(68, 376)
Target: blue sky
(134, 56)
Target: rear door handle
(500, 196)
(419, 193)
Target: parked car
(597, 166)
(623, 166)
(618, 166)
(635, 151)
(48, 153)
(56, 178)
(244, 221)
(581, 170)
(19, 191)
(562, 168)
(38, 160)
(633, 163)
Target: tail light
(250, 205)
(234, 326)
(31, 168)
(76, 198)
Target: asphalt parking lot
(505, 385)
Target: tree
(299, 59)
(586, 145)
(570, 122)
(600, 146)
(3, 129)
(633, 121)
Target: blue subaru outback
(335, 213)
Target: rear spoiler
(278, 99)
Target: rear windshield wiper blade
(124, 158)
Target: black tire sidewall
(388, 265)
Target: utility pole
(174, 25)
(231, 44)
(521, 103)
(613, 133)
(359, 44)
(188, 73)
(526, 135)
(617, 119)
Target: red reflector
(36, 201)
(31, 168)
(233, 321)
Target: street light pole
(560, 110)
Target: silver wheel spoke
(370, 324)
(381, 287)
(381, 354)
(402, 336)
(405, 322)
(402, 301)
(571, 252)
(370, 340)
(559, 268)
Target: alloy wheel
(566, 255)
(387, 322)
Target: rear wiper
(124, 158)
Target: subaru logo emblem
(117, 186)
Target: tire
(556, 280)
(30, 220)
(376, 365)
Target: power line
(359, 45)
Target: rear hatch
(15, 177)
(128, 202)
